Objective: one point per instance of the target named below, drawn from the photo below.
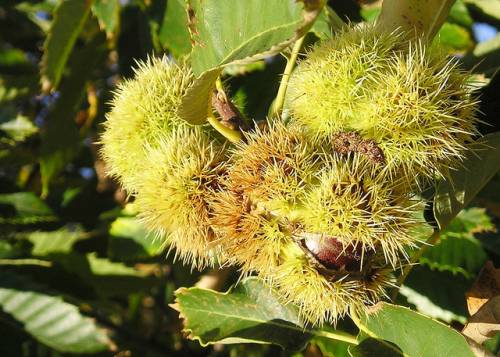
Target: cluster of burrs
(323, 206)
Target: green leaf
(322, 27)
(458, 253)
(460, 15)
(108, 14)
(28, 208)
(478, 168)
(14, 61)
(420, 17)
(370, 347)
(174, 33)
(493, 344)
(484, 48)
(454, 38)
(446, 303)
(106, 278)
(458, 250)
(249, 313)
(91, 266)
(103, 266)
(488, 7)
(485, 57)
(370, 13)
(327, 23)
(415, 334)
(426, 306)
(130, 240)
(69, 18)
(18, 86)
(195, 103)
(19, 128)
(7, 250)
(472, 220)
(32, 11)
(19, 77)
(250, 30)
(49, 319)
(60, 241)
(60, 137)
(255, 91)
(330, 347)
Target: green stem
(414, 259)
(290, 65)
(220, 87)
(42, 263)
(233, 136)
(345, 337)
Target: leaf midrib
(271, 323)
(224, 60)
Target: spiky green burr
(144, 109)
(415, 103)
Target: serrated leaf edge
(189, 332)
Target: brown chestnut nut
(332, 254)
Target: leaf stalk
(290, 65)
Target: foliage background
(79, 274)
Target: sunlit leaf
(488, 7)
(485, 57)
(131, 240)
(60, 241)
(230, 32)
(26, 208)
(108, 14)
(409, 331)
(173, 33)
(478, 168)
(454, 38)
(105, 277)
(69, 18)
(459, 14)
(19, 128)
(60, 136)
(249, 313)
(458, 250)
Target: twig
(233, 136)
(290, 65)
(345, 337)
(231, 121)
